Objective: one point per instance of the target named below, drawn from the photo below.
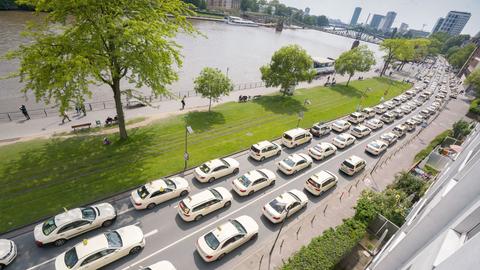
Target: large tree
(288, 66)
(102, 42)
(357, 59)
(391, 48)
(459, 57)
(212, 84)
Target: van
(380, 109)
(320, 182)
(296, 137)
(356, 117)
(368, 112)
(352, 165)
(264, 149)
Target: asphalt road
(168, 237)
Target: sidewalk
(19, 130)
(339, 205)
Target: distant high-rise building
(453, 24)
(307, 11)
(403, 28)
(438, 24)
(355, 16)
(388, 21)
(375, 22)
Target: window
(300, 137)
(92, 258)
(49, 226)
(67, 228)
(259, 181)
(89, 213)
(114, 240)
(473, 232)
(229, 241)
(200, 207)
(71, 258)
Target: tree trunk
(119, 108)
(349, 77)
(210, 104)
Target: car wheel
(151, 206)
(294, 172)
(107, 223)
(253, 236)
(135, 250)
(221, 256)
(227, 204)
(262, 159)
(2, 266)
(197, 218)
(278, 153)
(272, 183)
(250, 193)
(60, 242)
(184, 193)
(211, 180)
(236, 170)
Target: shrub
(410, 184)
(438, 140)
(325, 251)
(475, 106)
(461, 128)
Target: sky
(415, 13)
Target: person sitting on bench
(109, 121)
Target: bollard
(9, 118)
(312, 220)
(90, 106)
(298, 231)
(281, 245)
(104, 105)
(325, 209)
(356, 184)
(260, 262)
(341, 196)
(45, 111)
(349, 189)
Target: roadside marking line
(176, 206)
(125, 211)
(136, 223)
(465, 160)
(151, 233)
(38, 265)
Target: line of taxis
(112, 245)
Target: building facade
(223, 4)
(356, 14)
(375, 22)
(403, 28)
(453, 23)
(442, 230)
(387, 22)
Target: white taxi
(8, 252)
(71, 223)
(343, 140)
(285, 205)
(360, 131)
(341, 125)
(203, 203)
(225, 238)
(156, 192)
(265, 149)
(294, 163)
(217, 168)
(322, 150)
(376, 147)
(389, 137)
(253, 181)
(321, 182)
(374, 124)
(162, 265)
(102, 249)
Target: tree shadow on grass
(348, 91)
(203, 121)
(281, 104)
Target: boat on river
(240, 21)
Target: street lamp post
(188, 130)
(359, 107)
(276, 239)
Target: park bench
(80, 126)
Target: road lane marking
(465, 161)
(151, 233)
(40, 264)
(125, 211)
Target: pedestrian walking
(65, 117)
(328, 79)
(183, 102)
(77, 109)
(82, 108)
(23, 109)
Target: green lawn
(39, 178)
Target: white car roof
(214, 163)
(156, 185)
(296, 157)
(345, 136)
(324, 145)
(198, 198)
(263, 144)
(296, 131)
(354, 159)
(377, 142)
(375, 120)
(340, 122)
(390, 134)
(225, 231)
(89, 246)
(67, 217)
(361, 127)
(321, 176)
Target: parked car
(398, 113)
(389, 138)
(203, 203)
(340, 125)
(161, 265)
(356, 117)
(321, 182)
(411, 124)
(374, 124)
(425, 113)
(156, 192)
(369, 112)
(376, 147)
(387, 117)
(253, 181)
(296, 137)
(390, 105)
(225, 238)
(265, 149)
(322, 150)
(285, 205)
(294, 163)
(343, 140)
(320, 129)
(72, 223)
(380, 109)
(352, 165)
(360, 131)
(215, 169)
(8, 252)
(400, 130)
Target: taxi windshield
(71, 258)
(49, 226)
(244, 180)
(277, 205)
(289, 162)
(89, 213)
(212, 241)
(143, 192)
(204, 168)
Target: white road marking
(151, 233)
(38, 265)
(465, 160)
(125, 211)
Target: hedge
(325, 251)
(438, 140)
(474, 107)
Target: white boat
(239, 21)
(323, 65)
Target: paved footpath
(339, 205)
(19, 130)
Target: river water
(241, 50)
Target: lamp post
(188, 130)
(276, 239)
(359, 107)
(300, 117)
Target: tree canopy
(358, 59)
(288, 66)
(392, 48)
(458, 58)
(212, 84)
(101, 42)
(473, 80)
